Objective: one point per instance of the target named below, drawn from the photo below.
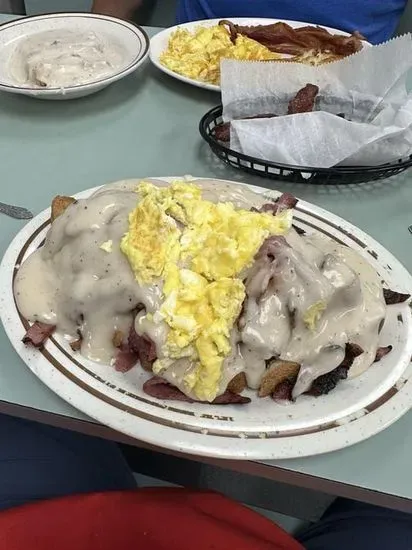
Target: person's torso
(375, 19)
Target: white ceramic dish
(354, 411)
(133, 41)
(159, 42)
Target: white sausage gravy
(64, 58)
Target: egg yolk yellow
(198, 250)
(197, 54)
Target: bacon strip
(393, 297)
(282, 38)
(38, 334)
(304, 101)
(161, 389)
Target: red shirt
(145, 519)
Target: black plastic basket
(287, 172)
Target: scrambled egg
(198, 250)
(313, 315)
(197, 55)
(107, 246)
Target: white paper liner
(369, 88)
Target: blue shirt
(375, 19)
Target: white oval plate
(160, 41)
(132, 39)
(354, 411)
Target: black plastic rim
(291, 173)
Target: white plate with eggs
(263, 429)
(68, 55)
(159, 42)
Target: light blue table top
(146, 125)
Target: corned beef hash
(208, 287)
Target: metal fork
(16, 212)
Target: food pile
(197, 54)
(206, 286)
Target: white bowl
(132, 39)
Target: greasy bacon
(160, 389)
(284, 39)
(38, 334)
(304, 101)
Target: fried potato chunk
(278, 372)
(59, 205)
(238, 383)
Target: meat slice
(38, 334)
(304, 100)
(393, 297)
(286, 201)
(125, 359)
(283, 391)
(161, 389)
(144, 347)
(229, 398)
(381, 352)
